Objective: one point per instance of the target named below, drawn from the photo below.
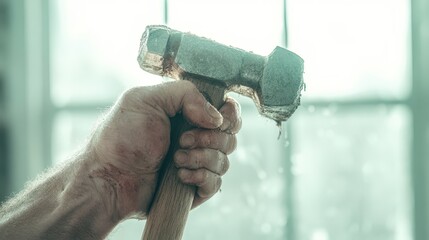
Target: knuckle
(231, 144)
(206, 138)
(130, 94)
(221, 141)
(218, 184)
(219, 155)
(220, 162)
(223, 136)
(213, 139)
(196, 158)
(183, 175)
(224, 165)
(237, 107)
(236, 125)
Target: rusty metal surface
(274, 82)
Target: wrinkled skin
(115, 175)
(134, 139)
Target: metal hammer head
(273, 82)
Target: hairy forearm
(64, 203)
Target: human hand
(132, 141)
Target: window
(341, 154)
(351, 138)
(89, 72)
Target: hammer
(273, 82)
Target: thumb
(173, 97)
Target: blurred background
(352, 163)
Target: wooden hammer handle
(173, 199)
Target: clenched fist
(114, 177)
(133, 140)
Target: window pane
(352, 173)
(352, 49)
(70, 132)
(94, 46)
(251, 25)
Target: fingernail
(183, 175)
(213, 112)
(225, 124)
(180, 157)
(238, 108)
(187, 140)
(186, 175)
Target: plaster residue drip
(279, 125)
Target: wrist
(124, 193)
(84, 190)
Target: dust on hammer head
(274, 82)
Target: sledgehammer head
(274, 82)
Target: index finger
(231, 112)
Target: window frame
(29, 82)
